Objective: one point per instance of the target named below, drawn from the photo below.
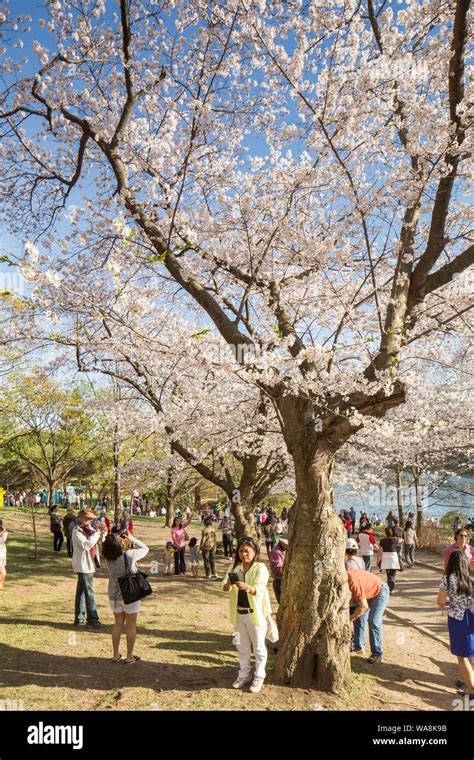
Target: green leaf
(200, 334)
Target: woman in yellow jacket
(249, 603)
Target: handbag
(134, 586)
(186, 537)
(272, 631)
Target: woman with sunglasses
(249, 604)
(461, 543)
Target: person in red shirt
(371, 597)
(105, 519)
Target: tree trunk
(398, 474)
(313, 617)
(243, 513)
(117, 494)
(51, 486)
(197, 499)
(35, 535)
(419, 505)
(169, 499)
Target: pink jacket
(277, 558)
(178, 535)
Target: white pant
(247, 637)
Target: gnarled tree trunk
(243, 513)
(314, 612)
(313, 617)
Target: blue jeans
(85, 599)
(374, 614)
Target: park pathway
(414, 599)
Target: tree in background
(47, 429)
(423, 443)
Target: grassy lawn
(184, 638)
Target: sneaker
(94, 626)
(257, 684)
(79, 622)
(374, 659)
(239, 683)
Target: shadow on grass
(33, 668)
(183, 640)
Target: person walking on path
(277, 559)
(225, 526)
(84, 542)
(370, 596)
(411, 540)
(249, 605)
(55, 526)
(268, 532)
(456, 591)
(398, 533)
(69, 520)
(179, 538)
(115, 550)
(387, 558)
(353, 561)
(207, 546)
(367, 545)
(352, 514)
(461, 538)
(3, 554)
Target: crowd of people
(91, 536)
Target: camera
(236, 577)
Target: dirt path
(415, 591)
(185, 641)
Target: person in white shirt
(85, 539)
(367, 544)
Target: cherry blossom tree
(295, 175)
(427, 439)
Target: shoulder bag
(134, 586)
